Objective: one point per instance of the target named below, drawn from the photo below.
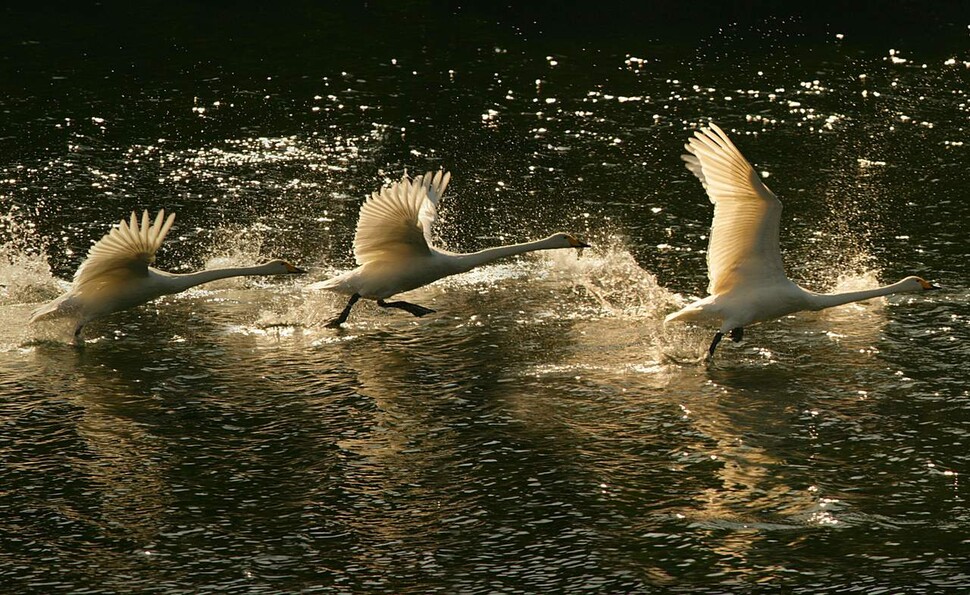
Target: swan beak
(928, 286)
(577, 243)
(292, 270)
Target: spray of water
(610, 276)
(25, 275)
(624, 309)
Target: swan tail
(688, 313)
(56, 308)
(327, 285)
(338, 284)
(699, 310)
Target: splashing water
(627, 307)
(610, 275)
(235, 246)
(25, 275)
(856, 280)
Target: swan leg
(736, 334)
(407, 307)
(717, 339)
(342, 317)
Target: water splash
(25, 275)
(610, 275)
(623, 316)
(235, 246)
(25, 280)
(857, 279)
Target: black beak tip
(583, 245)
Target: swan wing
(124, 253)
(744, 248)
(395, 223)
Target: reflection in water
(119, 456)
(446, 418)
(540, 410)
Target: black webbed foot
(342, 317)
(717, 339)
(414, 309)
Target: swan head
(918, 284)
(281, 267)
(566, 240)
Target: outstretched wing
(744, 245)
(124, 253)
(396, 222)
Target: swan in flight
(116, 274)
(747, 278)
(394, 251)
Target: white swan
(116, 276)
(747, 278)
(394, 251)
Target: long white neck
(474, 259)
(180, 282)
(820, 301)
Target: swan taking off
(394, 251)
(116, 276)
(747, 278)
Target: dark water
(543, 432)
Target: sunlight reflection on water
(542, 431)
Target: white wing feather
(395, 223)
(744, 248)
(124, 253)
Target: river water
(542, 432)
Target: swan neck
(474, 259)
(181, 282)
(829, 300)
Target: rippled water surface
(542, 432)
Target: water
(542, 432)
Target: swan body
(395, 253)
(747, 277)
(116, 274)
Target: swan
(116, 274)
(747, 277)
(394, 251)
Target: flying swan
(116, 274)
(394, 250)
(747, 277)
